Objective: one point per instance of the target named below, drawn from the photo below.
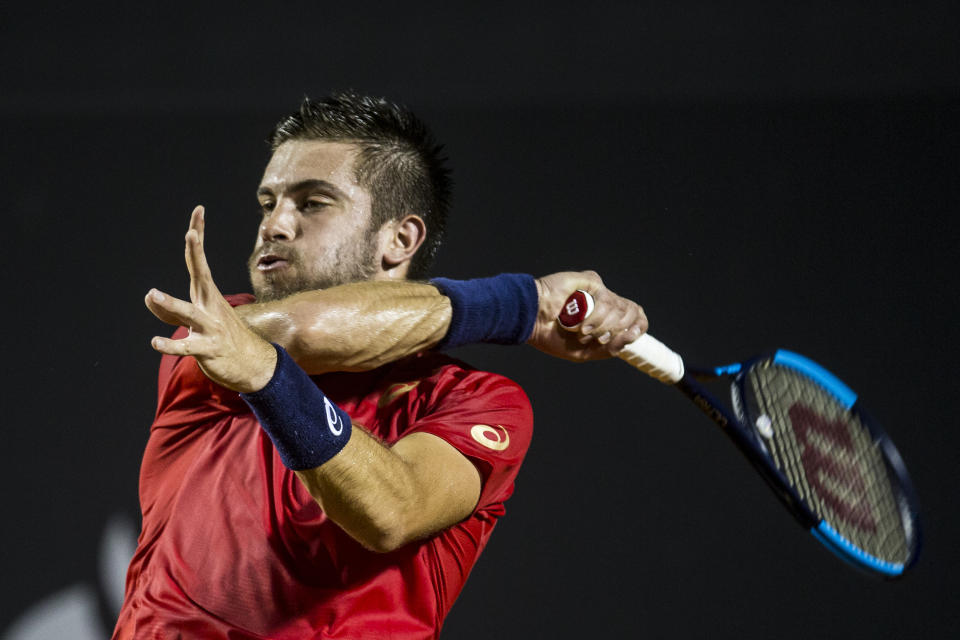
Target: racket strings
(829, 457)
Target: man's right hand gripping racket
(807, 434)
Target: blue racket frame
(750, 444)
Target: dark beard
(351, 264)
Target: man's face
(315, 231)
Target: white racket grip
(654, 358)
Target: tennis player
(316, 467)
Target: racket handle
(646, 353)
(654, 358)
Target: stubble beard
(350, 262)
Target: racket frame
(750, 444)
(658, 361)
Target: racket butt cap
(576, 309)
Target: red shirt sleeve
(487, 418)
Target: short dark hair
(399, 162)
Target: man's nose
(282, 223)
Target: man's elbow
(385, 538)
(388, 529)
(384, 544)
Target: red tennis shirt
(233, 546)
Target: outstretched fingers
(202, 287)
(198, 221)
(179, 312)
(170, 347)
(174, 311)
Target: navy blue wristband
(501, 309)
(306, 428)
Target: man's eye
(266, 207)
(315, 204)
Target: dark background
(759, 176)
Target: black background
(759, 176)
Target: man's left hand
(227, 351)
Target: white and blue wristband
(306, 428)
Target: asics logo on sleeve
(493, 438)
(334, 422)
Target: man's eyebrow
(313, 184)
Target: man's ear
(400, 239)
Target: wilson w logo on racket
(830, 464)
(807, 434)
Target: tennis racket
(808, 435)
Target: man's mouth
(271, 262)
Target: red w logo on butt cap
(575, 310)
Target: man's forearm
(382, 496)
(385, 497)
(361, 326)
(353, 327)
